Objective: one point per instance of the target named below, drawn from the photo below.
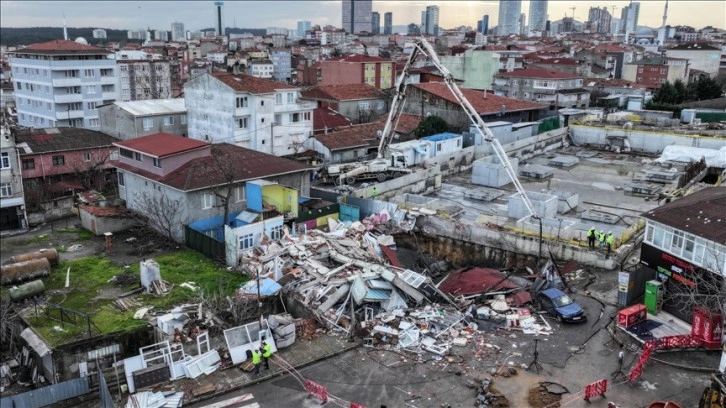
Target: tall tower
(177, 31)
(662, 32)
(537, 15)
(432, 20)
(219, 5)
(388, 23)
(485, 24)
(376, 22)
(65, 30)
(509, 11)
(357, 15)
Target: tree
(708, 289)
(90, 168)
(705, 88)
(431, 125)
(161, 213)
(221, 173)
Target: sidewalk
(300, 354)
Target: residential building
(12, 199)
(99, 33)
(565, 65)
(629, 17)
(177, 31)
(509, 12)
(436, 99)
(376, 22)
(261, 69)
(57, 163)
(599, 20)
(537, 15)
(700, 56)
(202, 178)
(388, 23)
(655, 71)
(144, 79)
(361, 103)
(476, 68)
(356, 16)
(60, 83)
(302, 28)
(255, 113)
(430, 20)
(611, 57)
(615, 93)
(327, 120)
(281, 59)
(130, 120)
(684, 247)
(557, 89)
(358, 69)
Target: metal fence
(45, 396)
(203, 243)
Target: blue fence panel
(349, 213)
(45, 396)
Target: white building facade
(509, 12)
(141, 80)
(60, 83)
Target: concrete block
(535, 171)
(491, 172)
(459, 341)
(544, 204)
(564, 162)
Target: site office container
(707, 327)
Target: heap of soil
(540, 398)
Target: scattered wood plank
(204, 389)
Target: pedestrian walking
(256, 360)
(591, 236)
(610, 240)
(601, 239)
(266, 353)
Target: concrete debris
(74, 248)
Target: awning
(35, 342)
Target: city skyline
(156, 14)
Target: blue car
(561, 306)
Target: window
(92, 106)
(71, 74)
(242, 102)
(262, 103)
(148, 123)
(59, 160)
(157, 162)
(93, 122)
(364, 105)
(306, 116)
(49, 106)
(278, 99)
(379, 105)
(86, 156)
(28, 164)
(91, 89)
(168, 120)
(278, 119)
(6, 190)
(126, 153)
(677, 242)
(89, 73)
(290, 97)
(239, 194)
(121, 179)
(242, 123)
(183, 119)
(124, 68)
(5, 160)
(294, 117)
(276, 232)
(438, 147)
(207, 201)
(138, 157)
(246, 241)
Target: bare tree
(90, 168)
(707, 288)
(222, 165)
(161, 212)
(10, 327)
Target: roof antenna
(65, 30)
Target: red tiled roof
(537, 73)
(492, 103)
(701, 213)
(326, 118)
(558, 61)
(405, 123)
(61, 47)
(360, 58)
(203, 172)
(346, 92)
(162, 144)
(354, 136)
(612, 82)
(107, 212)
(253, 85)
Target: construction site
(470, 280)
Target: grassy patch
(32, 240)
(90, 277)
(83, 234)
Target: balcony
(544, 91)
(109, 95)
(71, 114)
(68, 98)
(105, 80)
(62, 82)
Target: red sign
(316, 390)
(596, 389)
(354, 405)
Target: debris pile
(148, 399)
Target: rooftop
(248, 83)
(354, 136)
(61, 47)
(346, 92)
(326, 118)
(489, 105)
(537, 73)
(162, 144)
(61, 139)
(152, 107)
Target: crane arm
(426, 48)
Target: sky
(273, 13)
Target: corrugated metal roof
(35, 342)
(373, 295)
(153, 106)
(379, 284)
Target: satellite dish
(379, 133)
(81, 40)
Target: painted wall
(120, 123)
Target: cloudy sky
(272, 13)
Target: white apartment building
(12, 199)
(259, 114)
(177, 31)
(261, 69)
(60, 83)
(144, 79)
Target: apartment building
(358, 69)
(12, 199)
(656, 71)
(142, 79)
(61, 83)
(558, 89)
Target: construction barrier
(644, 356)
(317, 390)
(354, 405)
(596, 389)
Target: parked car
(561, 306)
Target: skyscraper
(177, 31)
(537, 15)
(629, 17)
(303, 26)
(357, 15)
(388, 23)
(376, 22)
(509, 11)
(522, 24)
(218, 5)
(599, 20)
(430, 20)
(485, 24)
